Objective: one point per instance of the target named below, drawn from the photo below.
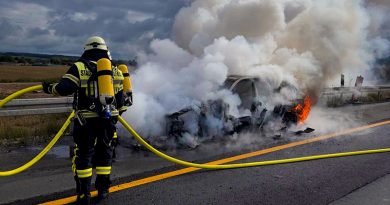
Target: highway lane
(313, 182)
(51, 179)
(205, 187)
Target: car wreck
(212, 120)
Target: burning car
(211, 120)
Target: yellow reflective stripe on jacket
(53, 89)
(88, 114)
(122, 109)
(91, 114)
(84, 173)
(118, 79)
(84, 83)
(114, 113)
(72, 78)
(103, 170)
(84, 74)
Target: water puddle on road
(60, 151)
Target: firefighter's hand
(122, 111)
(47, 87)
(128, 102)
(129, 99)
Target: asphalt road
(313, 182)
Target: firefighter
(94, 127)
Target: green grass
(29, 130)
(373, 97)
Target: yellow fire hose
(249, 164)
(19, 93)
(48, 147)
(169, 158)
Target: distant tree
(7, 58)
(55, 61)
(29, 61)
(21, 60)
(133, 62)
(118, 62)
(40, 62)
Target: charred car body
(212, 119)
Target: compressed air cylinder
(127, 88)
(105, 81)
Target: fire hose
(48, 147)
(172, 159)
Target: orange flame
(303, 111)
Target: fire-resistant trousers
(92, 150)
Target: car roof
(233, 80)
(238, 77)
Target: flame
(303, 110)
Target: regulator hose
(47, 148)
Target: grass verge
(29, 130)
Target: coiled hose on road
(190, 164)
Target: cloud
(78, 16)
(129, 26)
(8, 29)
(61, 27)
(26, 15)
(136, 16)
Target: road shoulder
(376, 192)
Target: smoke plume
(302, 43)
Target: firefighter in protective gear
(93, 131)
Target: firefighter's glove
(129, 99)
(47, 87)
(122, 111)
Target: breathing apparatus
(105, 86)
(127, 87)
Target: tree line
(36, 61)
(53, 60)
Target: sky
(62, 27)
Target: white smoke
(303, 43)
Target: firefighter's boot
(102, 185)
(83, 194)
(78, 191)
(83, 199)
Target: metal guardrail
(382, 90)
(364, 89)
(338, 96)
(37, 106)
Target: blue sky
(61, 27)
